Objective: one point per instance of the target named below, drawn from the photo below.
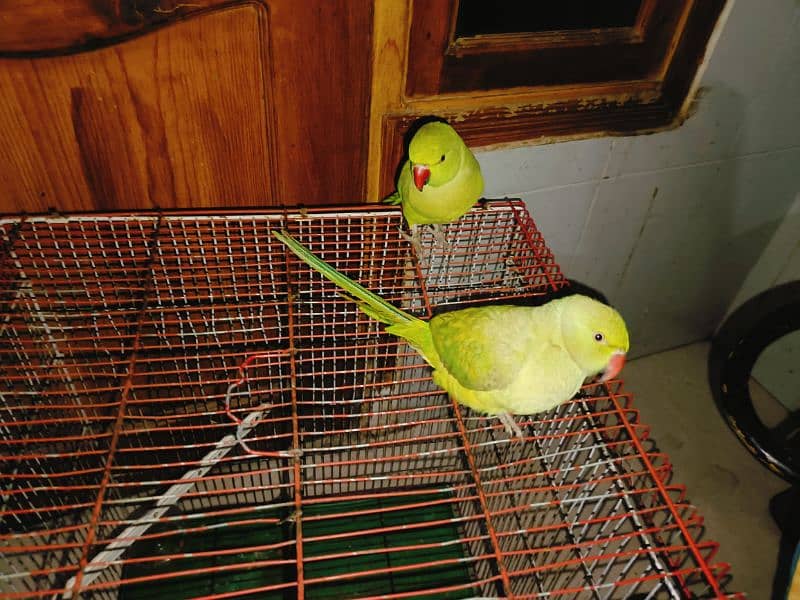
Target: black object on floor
(753, 327)
(783, 508)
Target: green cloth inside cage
(231, 536)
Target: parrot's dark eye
(442, 159)
(598, 337)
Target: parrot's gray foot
(413, 239)
(439, 237)
(510, 425)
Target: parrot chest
(435, 206)
(443, 204)
(543, 384)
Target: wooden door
(122, 104)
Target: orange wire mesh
(184, 402)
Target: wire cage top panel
(187, 411)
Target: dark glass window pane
(477, 17)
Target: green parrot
(440, 181)
(501, 360)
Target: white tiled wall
(672, 225)
(780, 260)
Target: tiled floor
(730, 487)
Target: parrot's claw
(439, 237)
(510, 425)
(413, 239)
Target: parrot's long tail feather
(372, 304)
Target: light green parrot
(440, 181)
(501, 360)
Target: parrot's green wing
(484, 348)
(396, 197)
(393, 198)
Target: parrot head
(594, 335)
(435, 154)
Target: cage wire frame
(136, 348)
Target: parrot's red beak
(421, 175)
(614, 366)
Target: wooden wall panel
(321, 60)
(123, 104)
(174, 118)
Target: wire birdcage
(187, 411)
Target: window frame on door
(530, 87)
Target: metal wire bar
(188, 411)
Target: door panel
(150, 121)
(241, 104)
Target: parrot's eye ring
(598, 337)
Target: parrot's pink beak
(614, 366)
(421, 175)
